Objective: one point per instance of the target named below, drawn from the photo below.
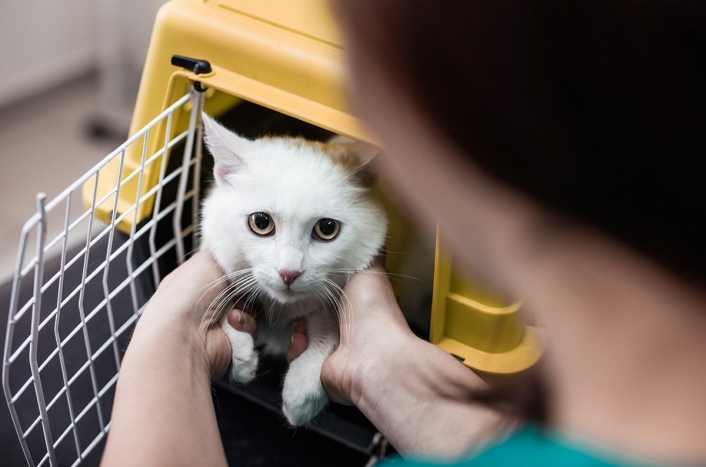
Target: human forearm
(163, 369)
(163, 413)
(418, 396)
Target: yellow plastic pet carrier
(280, 59)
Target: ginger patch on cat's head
(357, 159)
(230, 153)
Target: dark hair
(596, 109)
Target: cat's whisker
(271, 314)
(329, 295)
(336, 303)
(238, 288)
(241, 290)
(331, 301)
(318, 295)
(396, 278)
(346, 318)
(245, 288)
(215, 303)
(231, 291)
(252, 296)
(389, 274)
(343, 325)
(346, 324)
(272, 306)
(191, 252)
(207, 315)
(219, 300)
(209, 287)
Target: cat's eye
(261, 223)
(326, 229)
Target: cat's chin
(286, 296)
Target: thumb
(299, 341)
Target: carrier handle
(195, 65)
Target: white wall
(44, 43)
(125, 30)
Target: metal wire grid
(67, 332)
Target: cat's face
(289, 213)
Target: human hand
(183, 307)
(163, 394)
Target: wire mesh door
(79, 290)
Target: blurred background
(69, 73)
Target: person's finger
(332, 380)
(299, 341)
(219, 352)
(300, 327)
(243, 322)
(247, 307)
(297, 346)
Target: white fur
(296, 184)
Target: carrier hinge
(378, 450)
(199, 67)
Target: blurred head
(506, 120)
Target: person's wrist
(389, 349)
(160, 320)
(172, 338)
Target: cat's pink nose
(289, 276)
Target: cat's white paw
(303, 396)
(244, 356)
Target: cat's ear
(226, 147)
(365, 173)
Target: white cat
(289, 221)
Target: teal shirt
(529, 446)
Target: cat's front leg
(244, 357)
(303, 396)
